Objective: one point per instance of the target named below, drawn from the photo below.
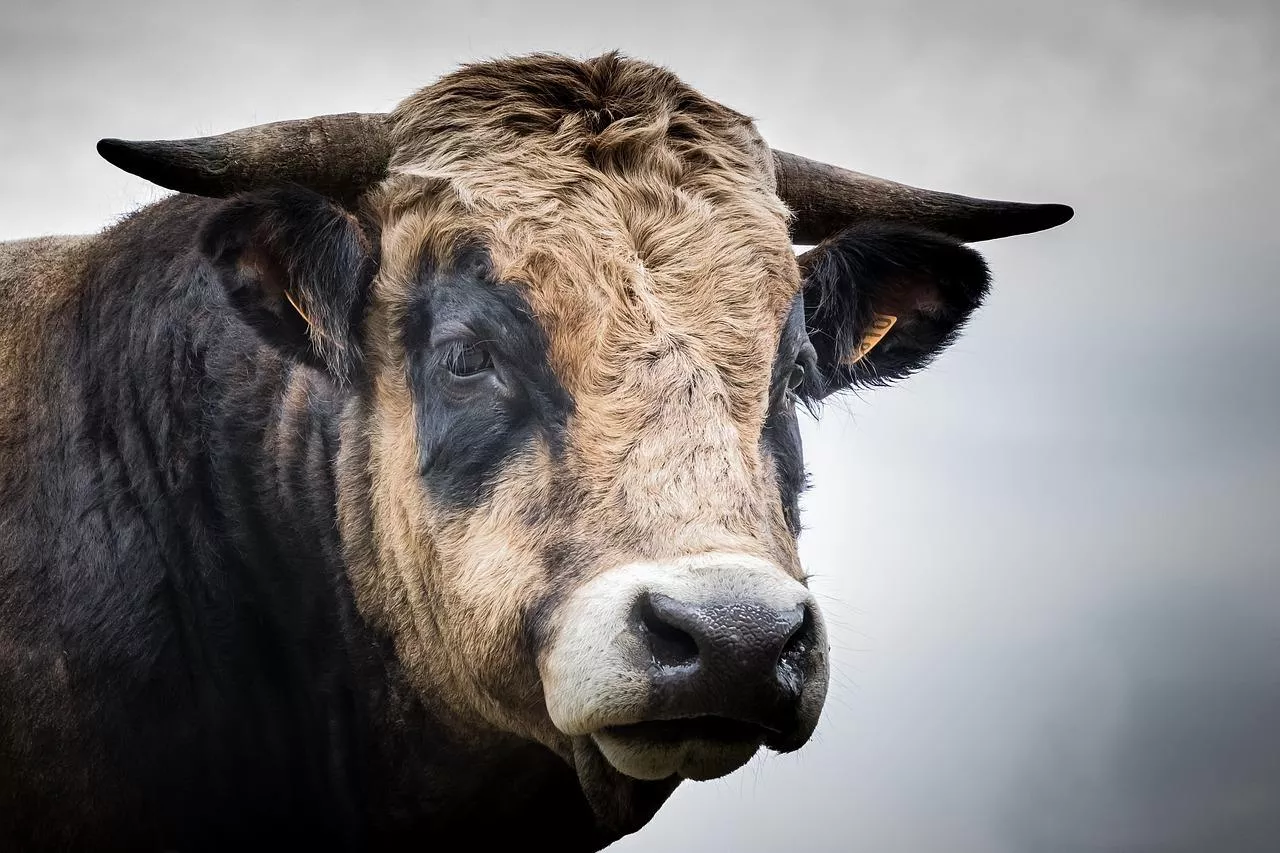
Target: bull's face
(584, 447)
(587, 486)
(575, 334)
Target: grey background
(1052, 562)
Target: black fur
(182, 666)
(795, 367)
(930, 282)
(469, 427)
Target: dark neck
(227, 449)
(269, 681)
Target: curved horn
(336, 155)
(827, 198)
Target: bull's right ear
(882, 300)
(297, 267)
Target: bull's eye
(468, 359)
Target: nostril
(802, 637)
(790, 669)
(669, 644)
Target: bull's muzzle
(688, 667)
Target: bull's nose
(687, 666)
(735, 659)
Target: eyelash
(468, 359)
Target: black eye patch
(794, 376)
(482, 385)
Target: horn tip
(1053, 215)
(189, 165)
(113, 150)
(1016, 218)
(136, 158)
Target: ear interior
(881, 301)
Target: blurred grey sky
(1052, 562)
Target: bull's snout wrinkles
(736, 659)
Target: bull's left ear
(882, 300)
(297, 268)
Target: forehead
(626, 203)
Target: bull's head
(564, 300)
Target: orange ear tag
(880, 327)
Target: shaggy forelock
(612, 112)
(640, 214)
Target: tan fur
(38, 278)
(641, 219)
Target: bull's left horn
(335, 155)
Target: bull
(432, 477)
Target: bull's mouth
(711, 729)
(698, 748)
